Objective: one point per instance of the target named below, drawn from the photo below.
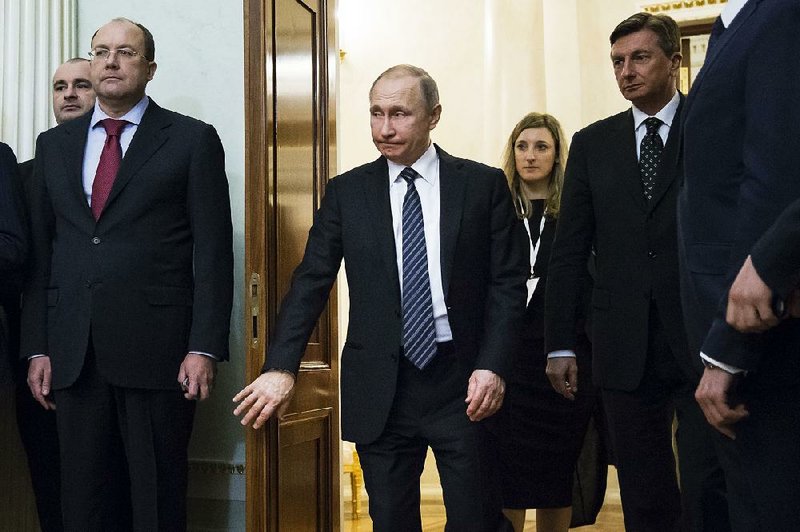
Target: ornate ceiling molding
(687, 10)
(660, 7)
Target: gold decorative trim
(216, 467)
(661, 7)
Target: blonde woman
(540, 434)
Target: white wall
(486, 80)
(200, 56)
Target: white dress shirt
(427, 185)
(97, 138)
(730, 11)
(666, 115)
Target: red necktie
(108, 166)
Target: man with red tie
(127, 309)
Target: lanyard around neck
(534, 252)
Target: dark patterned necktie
(419, 332)
(107, 168)
(650, 155)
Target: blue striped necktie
(419, 333)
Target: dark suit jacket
(742, 166)
(484, 267)
(13, 249)
(149, 281)
(603, 207)
(13, 241)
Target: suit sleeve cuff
(279, 370)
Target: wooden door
(290, 61)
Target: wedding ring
(185, 383)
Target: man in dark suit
(739, 259)
(131, 289)
(13, 249)
(395, 401)
(73, 96)
(618, 205)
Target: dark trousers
(640, 428)
(37, 430)
(123, 455)
(769, 442)
(429, 411)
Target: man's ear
(436, 114)
(151, 70)
(676, 61)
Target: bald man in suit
(127, 310)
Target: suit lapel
(151, 134)
(630, 179)
(668, 168)
(452, 184)
(73, 143)
(379, 215)
(720, 43)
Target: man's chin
(67, 116)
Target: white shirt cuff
(727, 367)
(209, 355)
(561, 353)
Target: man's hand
(484, 394)
(712, 394)
(196, 376)
(563, 375)
(266, 396)
(750, 302)
(39, 374)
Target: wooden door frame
(260, 300)
(257, 157)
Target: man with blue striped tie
(436, 267)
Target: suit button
(88, 284)
(96, 240)
(652, 254)
(393, 356)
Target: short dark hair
(149, 42)
(427, 85)
(665, 28)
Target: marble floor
(433, 516)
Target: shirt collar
(134, 116)
(666, 114)
(425, 166)
(730, 11)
